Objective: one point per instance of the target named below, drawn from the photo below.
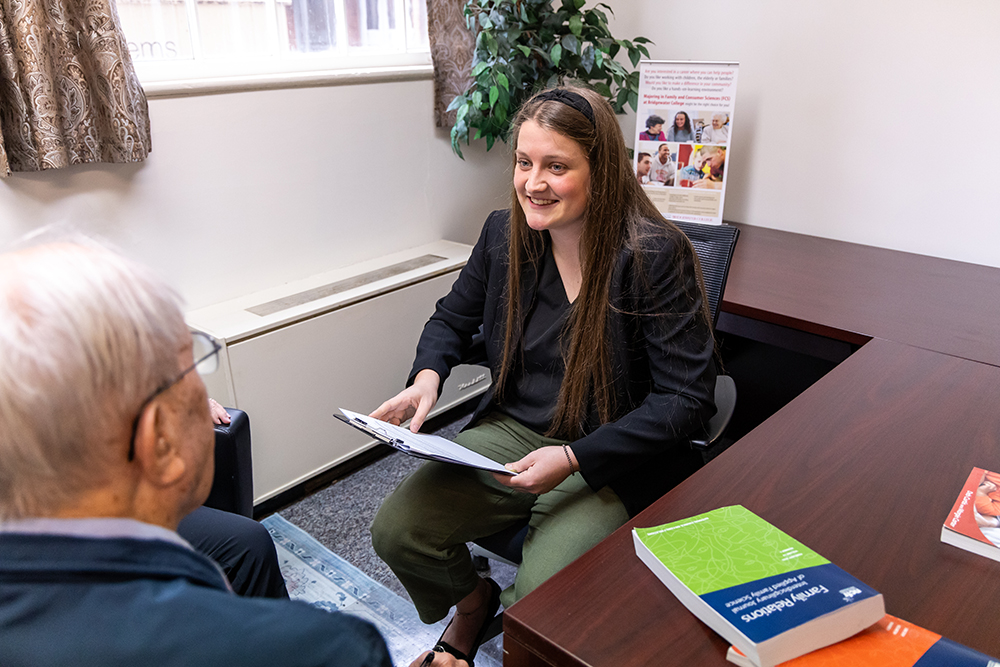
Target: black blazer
(662, 358)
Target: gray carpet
(340, 515)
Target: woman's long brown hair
(618, 215)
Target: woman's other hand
(540, 471)
(414, 402)
(219, 414)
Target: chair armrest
(725, 405)
(232, 488)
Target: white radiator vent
(294, 353)
(323, 291)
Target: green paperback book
(763, 591)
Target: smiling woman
(172, 40)
(594, 325)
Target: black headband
(570, 99)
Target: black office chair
(714, 245)
(232, 486)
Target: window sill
(275, 81)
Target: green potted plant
(524, 45)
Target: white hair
(85, 336)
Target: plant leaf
(494, 95)
(556, 54)
(502, 80)
(621, 99)
(571, 43)
(576, 24)
(587, 59)
(603, 89)
(478, 69)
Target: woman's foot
(469, 618)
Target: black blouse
(536, 388)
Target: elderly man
(105, 444)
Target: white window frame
(198, 76)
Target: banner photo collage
(684, 130)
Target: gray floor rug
(337, 518)
(318, 576)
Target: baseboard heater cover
(323, 291)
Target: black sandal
(492, 605)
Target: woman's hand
(413, 402)
(219, 414)
(540, 471)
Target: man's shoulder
(294, 624)
(158, 610)
(168, 621)
(257, 631)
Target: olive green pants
(422, 528)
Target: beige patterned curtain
(452, 45)
(68, 91)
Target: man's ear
(156, 450)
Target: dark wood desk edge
(852, 337)
(923, 301)
(931, 259)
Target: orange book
(889, 643)
(974, 524)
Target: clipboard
(420, 445)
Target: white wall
(247, 190)
(873, 122)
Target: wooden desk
(852, 293)
(863, 467)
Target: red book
(974, 521)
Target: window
(193, 39)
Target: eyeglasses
(205, 350)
